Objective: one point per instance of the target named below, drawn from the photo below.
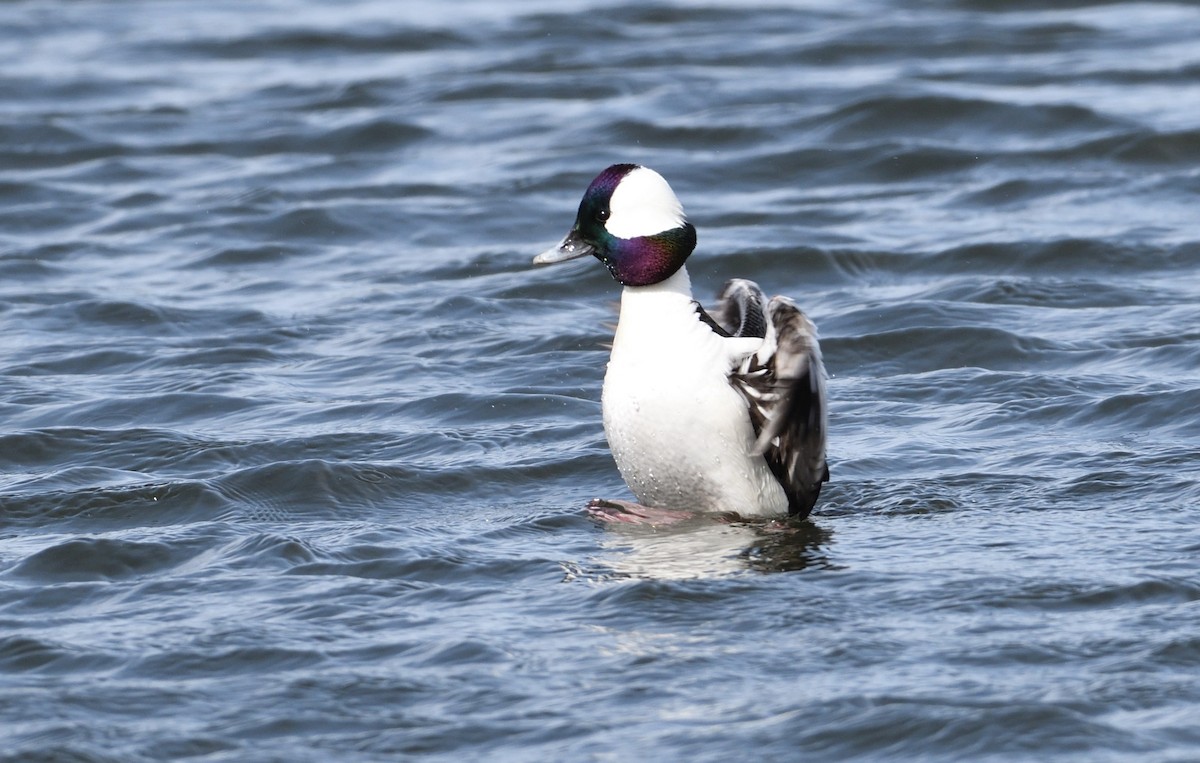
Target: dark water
(294, 443)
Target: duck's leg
(607, 510)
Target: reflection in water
(706, 547)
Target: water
(294, 443)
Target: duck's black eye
(603, 214)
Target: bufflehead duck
(710, 413)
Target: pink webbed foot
(606, 510)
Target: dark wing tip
(742, 308)
(799, 427)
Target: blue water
(295, 444)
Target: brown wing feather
(784, 385)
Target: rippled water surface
(295, 444)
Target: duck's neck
(650, 313)
(678, 283)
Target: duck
(722, 412)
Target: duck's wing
(742, 309)
(784, 385)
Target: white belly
(680, 433)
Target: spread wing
(784, 384)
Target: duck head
(631, 221)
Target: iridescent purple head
(631, 221)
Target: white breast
(680, 434)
